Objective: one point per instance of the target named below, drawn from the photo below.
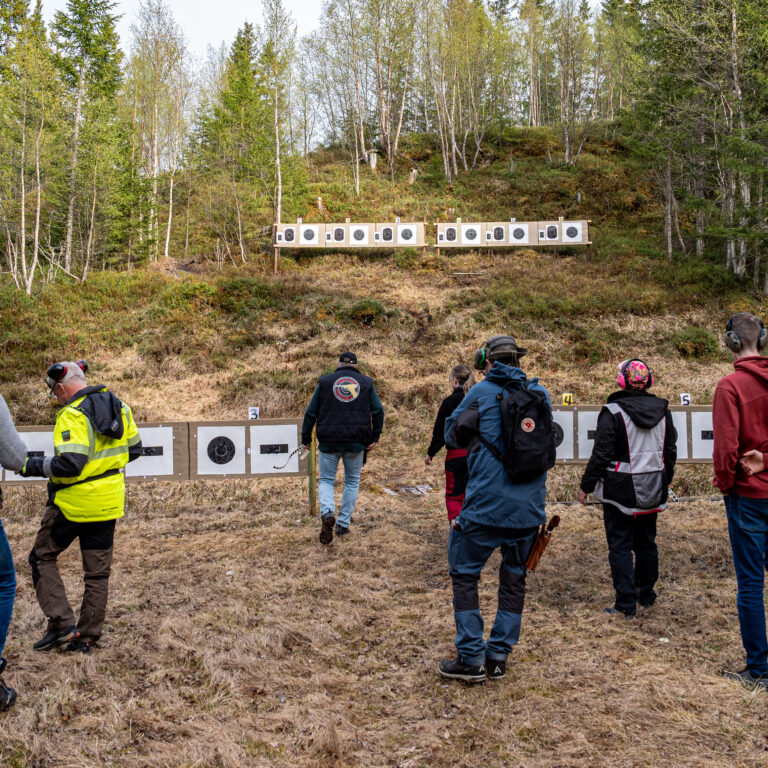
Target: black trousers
(633, 580)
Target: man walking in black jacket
(349, 419)
(632, 464)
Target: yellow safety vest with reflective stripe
(103, 497)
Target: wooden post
(588, 256)
(313, 476)
(424, 247)
(437, 247)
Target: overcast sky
(207, 21)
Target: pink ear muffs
(621, 379)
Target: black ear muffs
(481, 356)
(733, 341)
(55, 374)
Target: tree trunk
(73, 173)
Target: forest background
(112, 159)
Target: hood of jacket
(757, 366)
(103, 409)
(645, 410)
(503, 375)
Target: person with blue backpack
(505, 422)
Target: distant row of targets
(463, 235)
(347, 235)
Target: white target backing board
(496, 233)
(574, 232)
(217, 449)
(702, 436)
(471, 234)
(164, 453)
(447, 235)
(410, 233)
(311, 236)
(549, 232)
(360, 235)
(586, 427)
(273, 449)
(287, 235)
(384, 235)
(523, 233)
(243, 449)
(336, 235)
(680, 420)
(39, 442)
(563, 424)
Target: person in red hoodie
(739, 419)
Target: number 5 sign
(685, 398)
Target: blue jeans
(328, 464)
(468, 551)
(748, 530)
(7, 586)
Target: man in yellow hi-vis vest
(94, 438)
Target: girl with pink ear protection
(634, 374)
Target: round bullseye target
(221, 450)
(309, 234)
(406, 234)
(558, 433)
(572, 232)
(358, 235)
(471, 234)
(552, 232)
(518, 233)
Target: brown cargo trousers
(96, 546)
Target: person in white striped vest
(631, 467)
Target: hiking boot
(748, 678)
(84, 646)
(56, 637)
(614, 611)
(326, 531)
(7, 695)
(456, 669)
(341, 530)
(495, 670)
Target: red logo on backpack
(528, 425)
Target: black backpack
(526, 429)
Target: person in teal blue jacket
(497, 513)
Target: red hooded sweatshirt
(740, 423)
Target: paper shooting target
(573, 232)
(680, 420)
(451, 234)
(387, 234)
(157, 457)
(309, 234)
(220, 450)
(271, 445)
(562, 423)
(471, 234)
(359, 234)
(406, 234)
(702, 435)
(520, 233)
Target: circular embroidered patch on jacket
(528, 425)
(346, 389)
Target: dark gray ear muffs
(733, 342)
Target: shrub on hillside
(696, 343)
(363, 312)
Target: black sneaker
(84, 646)
(7, 695)
(614, 611)
(495, 670)
(456, 670)
(55, 637)
(326, 531)
(749, 678)
(341, 530)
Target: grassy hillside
(234, 639)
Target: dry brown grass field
(233, 638)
